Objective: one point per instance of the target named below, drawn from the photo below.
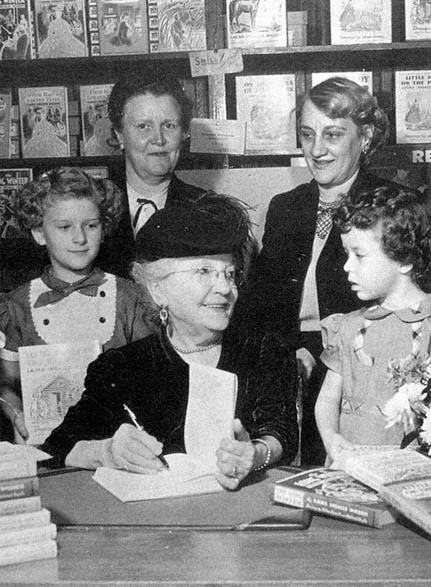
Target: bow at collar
(59, 289)
(414, 313)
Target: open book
(209, 417)
(52, 380)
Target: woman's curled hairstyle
(402, 221)
(67, 183)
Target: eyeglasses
(207, 276)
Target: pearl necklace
(201, 349)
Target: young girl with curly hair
(386, 235)
(69, 213)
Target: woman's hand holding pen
(136, 451)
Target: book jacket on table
(256, 23)
(60, 28)
(333, 493)
(44, 121)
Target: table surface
(329, 552)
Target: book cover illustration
(176, 25)
(60, 28)
(356, 21)
(44, 122)
(97, 136)
(11, 180)
(256, 23)
(52, 380)
(417, 19)
(334, 493)
(5, 124)
(413, 106)
(362, 78)
(267, 104)
(122, 26)
(15, 30)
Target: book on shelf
(333, 493)
(412, 106)
(5, 123)
(96, 171)
(16, 30)
(267, 104)
(176, 26)
(13, 536)
(60, 28)
(210, 412)
(256, 23)
(93, 36)
(417, 19)
(97, 135)
(11, 180)
(122, 27)
(355, 21)
(16, 488)
(20, 505)
(52, 380)
(44, 121)
(30, 551)
(362, 78)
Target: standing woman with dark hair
(150, 116)
(299, 279)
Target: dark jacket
(153, 380)
(276, 282)
(118, 250)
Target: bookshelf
(214, 97)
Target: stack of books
(26, 531)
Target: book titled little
(333, 493)
(16, 488)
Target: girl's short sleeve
(331, 338)
(9, 332)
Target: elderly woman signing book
(189, 259)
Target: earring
(164, 316)
(365, 148)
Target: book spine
(16, 488)
(93, 31)
(288, 496)
(20, 506)
(406, 507)
(15, 468)
(341, 509)
(25, 520)
(32, 551)
(26, 535)
(153, 26)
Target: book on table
(209, 417)
(335, 494)
(402, 478)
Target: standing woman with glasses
(298, 278)
(189, 258)
(150, 115)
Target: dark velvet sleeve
(267, 391)
(98, 414)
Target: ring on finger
(234, 471)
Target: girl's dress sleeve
(332, 343)
(10, 330)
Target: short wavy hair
(339, 97)
(65, 183)
(156, 84)
(403, 224)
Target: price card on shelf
(216, 62)
(209, 135)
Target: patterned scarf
(325, 211)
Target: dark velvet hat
(210, 225)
